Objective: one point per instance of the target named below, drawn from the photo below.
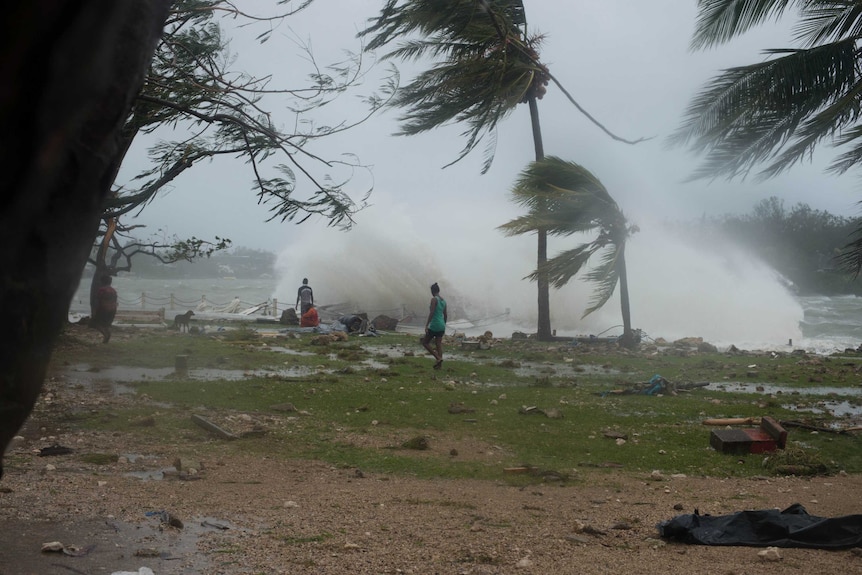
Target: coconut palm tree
(486, 64)
(774, 113)
(565, 198)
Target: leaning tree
(565, 199)
(196, 96)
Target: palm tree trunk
(628, 339)
(543, 330)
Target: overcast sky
(626, 62)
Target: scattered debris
(550, 413)
(212, 427)
(769, 554)
(70, 550)
(55, 450)
(166, 518)
(546, 474)
(768, 437)
(657, 386)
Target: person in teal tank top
(435, 326)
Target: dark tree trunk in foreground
(70, 71)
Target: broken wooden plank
(732, 421)
(212, 427)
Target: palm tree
(487, 64)
(565, 198)
(775, 113)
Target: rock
(285, 407)
(288, 317)
(769, 554)
(52, 547)
(188, 465)
(384, 322)
(706, 347)
(524, 563)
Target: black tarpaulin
(792, 527)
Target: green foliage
(776, 112)
(485, 63)
(805, 245)
(194, 92)
(564, 198)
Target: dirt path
(253, 515)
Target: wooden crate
(764, 439)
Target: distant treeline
(241, 263)
(800, 243)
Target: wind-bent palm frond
(605, 276)
(850, 257)
(719, 21)
(565, 198)
(748, 113)
(777, 112)
(486, 63)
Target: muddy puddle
(108, 545)
(836, 401)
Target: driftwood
(732, 421)
(818, 428)
(212, 427)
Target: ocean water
(817, 324)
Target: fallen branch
(732, 421)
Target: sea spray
(677, 288)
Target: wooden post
(143, 300)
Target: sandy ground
(250, 515)
(247, 515)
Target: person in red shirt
(105, 308)
(310, 318)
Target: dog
(182, 321)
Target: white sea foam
(677, 289)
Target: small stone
(524, 563)
(52, 546)
(769, 554)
